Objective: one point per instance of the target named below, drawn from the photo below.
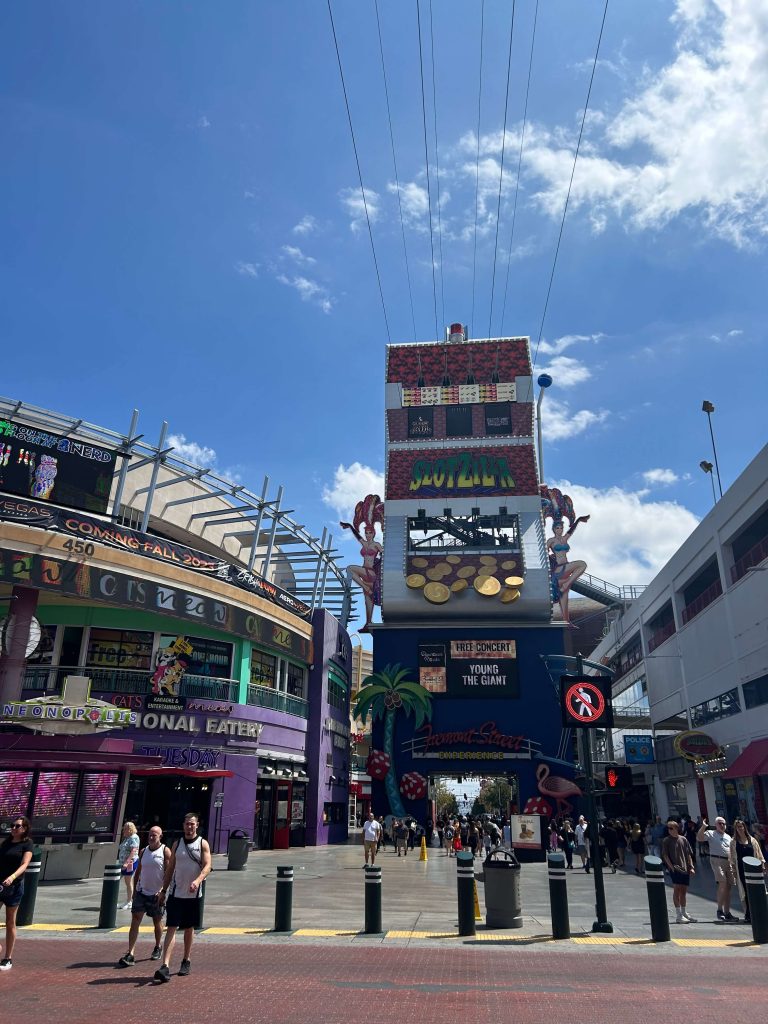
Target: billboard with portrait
(47, 467)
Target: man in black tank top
(188, 867)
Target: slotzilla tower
(466, 588)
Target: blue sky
(181, 231)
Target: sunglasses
(18, 824)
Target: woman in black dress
(743, 845)
(15, 855)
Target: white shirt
(371, 830)
(189, 863)
(581, 839)
(719, 843)
(152, 870)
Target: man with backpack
(187, 869)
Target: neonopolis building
(170, 640)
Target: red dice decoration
(538, 805)
(413, 786)
(378, 764)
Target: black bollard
(465, 884)
(372, 900)
(283, 899)
(657, 899)
(558, 896)
(109, 892)
(201, 897)
(757, 901)
(31, 876)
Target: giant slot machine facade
(459, 686)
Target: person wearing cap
(719, 843)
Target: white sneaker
(679, 919)
(687, 917)
(126, 906)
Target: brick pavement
(72, 980)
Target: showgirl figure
(368, 512)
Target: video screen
(15, 788)
(54, 801)
(97, 801)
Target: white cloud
(734, 333)
(203, 122)
(656, 477)
(306, 225)
(191, 451)
(415, 203)
(309, 291)
(567, 372)
(350, 485)
(352, 201)
(558, 422)
(558, 345)
(247, 269)
(627, 540)
(294, 253)
(697, 132)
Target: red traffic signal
(618, 777)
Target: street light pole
(708, 408)
(544, 381)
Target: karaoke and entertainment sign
(47, 467)
(96, 531)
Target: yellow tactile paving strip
(334, 933)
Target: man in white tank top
(148, 884)
(185, 872)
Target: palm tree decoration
(386, 693)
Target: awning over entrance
(753, 760)
(190, 773)
(64, 753)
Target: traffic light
(618, 777)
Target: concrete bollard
(110, 890)
(26, 911)
(283, 899)
(757, 901)
(372, 900)
(558, 896)
(465, 885)
(657, 899)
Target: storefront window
(334, 813)
(207, 657)
(263, 669)
(119, 648)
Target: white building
(695, 646)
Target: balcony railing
(49, 679)
(661, 634)
(268, 697)
(754, 556)
(713, 591)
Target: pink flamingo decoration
(556, 787)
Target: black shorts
(680, 877)
(146, 904)
(182, 913)
(11, 894)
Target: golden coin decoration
(458, 585)
(445, 567)
(488, 560)
(436, 593)
(509, 596)
(419, 563)
(514, 581)
(453, 559)
(415, 581)
(435, 573)
(488, 586)
(509, 564)
(466, 571)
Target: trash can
(238, 848)
(502, 890)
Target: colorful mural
(564, 571)
(368, 513)
(386, 694)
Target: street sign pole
(601, 924)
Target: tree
(495, 796)
(445, 800)
(384, 694)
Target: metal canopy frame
(322, 584)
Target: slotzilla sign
(84, 581)
(96, 531)
(694, 745)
